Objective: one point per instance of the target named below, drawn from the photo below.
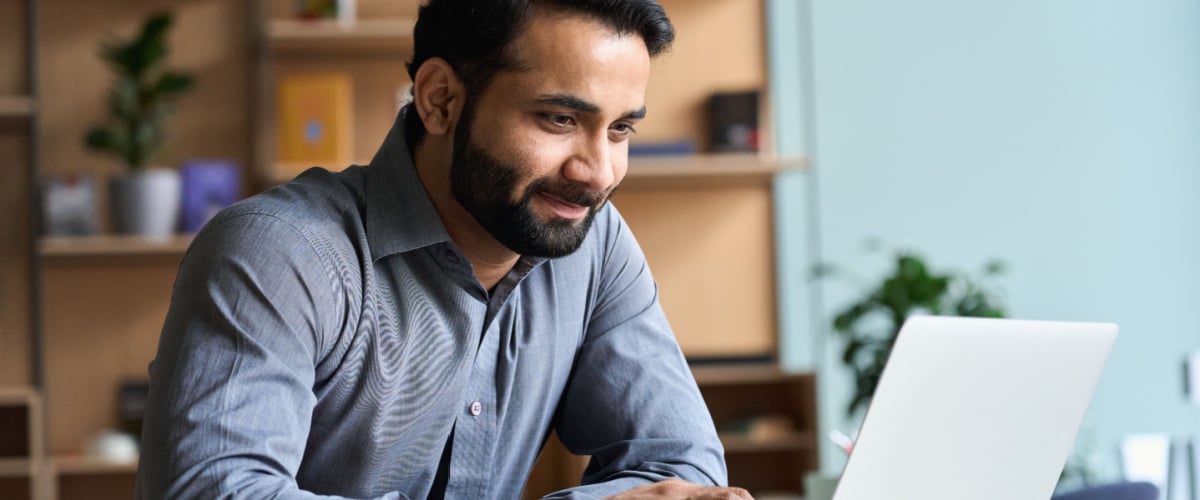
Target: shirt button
(450, 257)
(476, 408)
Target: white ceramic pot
(146, 202)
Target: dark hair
(474, 36)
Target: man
(417, 328)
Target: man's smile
(563, 208)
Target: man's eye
(560, 120)
(624, 128)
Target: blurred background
(1037, 160)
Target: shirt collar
(400, 215)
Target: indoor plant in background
(144, 200)
(869, 325)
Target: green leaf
(101, 139)
(156, 26)
(173, 83)
(852, 349)
(845, 321)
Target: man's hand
(676, 489)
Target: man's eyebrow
(578, 104)
(638, 114)
(569, 101)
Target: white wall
(1062, 136)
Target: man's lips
(562, 208)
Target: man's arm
(632, 403)
(231, 387)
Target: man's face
(542, 148)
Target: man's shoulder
(314, 196)
(319, 208)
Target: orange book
(315, 120)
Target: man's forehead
(577, 62)
(549, 34)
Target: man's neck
(490, 259)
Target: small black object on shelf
(733, 122)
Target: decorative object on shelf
(131, 406)
(673, 148)
(315, 122)
(113, 446)
(342, 10)
(69, 206)
(208, 186)
(733, 122)
(145, 201)
(869, 326)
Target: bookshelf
(16, 106)
(99, 301)
(763, 458)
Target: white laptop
(979, 409)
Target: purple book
(208, 186)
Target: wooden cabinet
(767, 421)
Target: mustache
(570, 192)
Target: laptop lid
(985, 409)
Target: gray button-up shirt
(327, 338)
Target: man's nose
(592, 163)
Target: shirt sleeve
(632, 403)
(231, 387)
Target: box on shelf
(733, 122)
(314, 123)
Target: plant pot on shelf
(146, 202)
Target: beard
(485, 186)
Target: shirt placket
(475, 431)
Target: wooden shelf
(80, 465)
(737, 374)
(800, 441)
(324, 35)
(112, 246)
(17, 396)
(719, 169)
(16, 467)
(16, 106)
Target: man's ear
(438, 95)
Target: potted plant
(869, 325)
(145, 200)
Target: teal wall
(1062, 136)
